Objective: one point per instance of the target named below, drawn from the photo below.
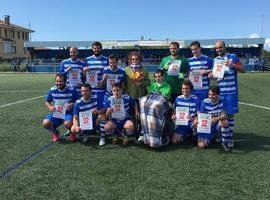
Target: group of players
(98, 95)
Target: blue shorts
(120, 123)
(201, 94)
(184, 130)
(231, 103)
(56, 121)
(209, 136)
(100, 98)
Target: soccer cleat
(72, 137)
(55, 137)
(140, 140)
(231, 144)
(165, 140)
(114, 140)
(226, 147)
(102, 142)
(125, 140)
(85, 138)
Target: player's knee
(109, 126)
(202, 144)
(46, 123)
(129, 125)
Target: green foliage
(5, 66)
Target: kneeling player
(215, 121)
(60, 100)
(186, 107)
(85, 114)
(118, 109)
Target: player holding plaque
(119, 110)
(186, 107)
(212, 119)
(60, 100)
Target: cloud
(254, 35)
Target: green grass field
(77, 171)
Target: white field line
(22, 101)
(254, 105)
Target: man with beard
(175, 68)
(228, 84)
(93, 76)
(60, 100)
(72, 68)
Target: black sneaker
(165, 140)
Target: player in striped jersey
(72, 68)
(229, 84)
(216, 107)
(113, 74)
(59, 99)
(94, 71)
(86, 103)
(119, 109)
(186, 100)
(199, 67)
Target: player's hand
(214, 120)
(173, 117)
(105, 76)
(69, 69)
(109, 112)
(86, 69)
(69, 106)
(203, 72)
(94, 111)
(210, 75)
(189, 117)
(51, 108)
(100, 84)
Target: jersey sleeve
(49, 97)
(76, 109)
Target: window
(23, 35)
(7, 48)
(6, 33)
(26, 36)
(12, 34)
(13, 49)
(19, 35)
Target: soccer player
(188, 106)
(119, 109)
(199, 67)
(228, 84)
(216, 107)
(93, 76)
(175, 67)
(60, 100)
(159, 85)
(72, 68)
(88, 103)
(113, 74)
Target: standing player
(82, 108)
(93, 76)
(228, 84)
(60, 100)
(72, 68)
(119, 109)
(186, 107)
(216, 107)
(175, 67)
(199, 67)
(113, 74)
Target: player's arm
(49, 106)
(75, 121)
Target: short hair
(175, 43)
(87, 85)
(134, 53)
(62, 76)
(196, 43)
(117, 85)
(96, 43)
(215, 89)
(113, 57)
(74, 48)
(221, 42)
(188, 83)
(159, 71)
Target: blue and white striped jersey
(215, 109)
(229, 85)
(203, 62)
(192, 103)
(97, 65)
(68, 95)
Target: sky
(89, 20)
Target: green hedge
(4, 66)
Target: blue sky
(128, 20)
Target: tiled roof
(15, 26)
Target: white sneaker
(231, 144)
(141, 139)
(102, 142)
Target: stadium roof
(108, 44)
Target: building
(12, 38)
